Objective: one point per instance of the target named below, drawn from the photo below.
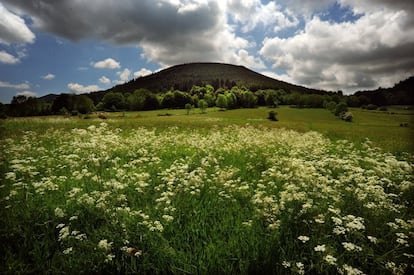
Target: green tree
(210, 99)
(83, 104)
(248, 99)
(202, 104)
(188, 108)
(231, 100)
(221, 101)
(113, 101)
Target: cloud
(49, 76)
(7, 58)
(13, 29)
(375, 50)
(142, 72)
(169, 32)
(22, 86)
(252, 13)
(306, 8)
(242, 57)
(108, 63)
(80, 89)
(27, 93)
(104, 80)
(124, 75)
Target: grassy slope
(382, 128)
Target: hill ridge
(184, 76)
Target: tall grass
(228, 199)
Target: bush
(272, 116)
(371, 107)
(347, 116)
(341, 108)
(383, 108)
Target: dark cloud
(119, 22)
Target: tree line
(198, 96)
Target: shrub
(102, 116)
(383, 108)
(347, 116)
(371, 107)
(341, 108)
(272, 116)
(202, 104)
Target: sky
(74, 46)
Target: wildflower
(339, 230)
(330, 259)
(286, 264)
(336, 220)
(300, 268)
(68, 250)
(109, 258)
(104, 245)
(372, 239)
(168, 218)
(350, 270)
(320, 248)
(320, 219)
(64, 233)
(351, 247)
(59, 212)
(303, 239)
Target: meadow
(222, 192)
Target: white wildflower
(109, 258)
(330, 259)
(68, 250)
(303, 239)
(300, 268)
(351, 270)
(320, 248)
(59, 212)
(372, 239)
(104, 245)
(351, 247)
(286, 264)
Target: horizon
(329, 45)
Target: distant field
(382, 128)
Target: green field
(381, 128)
(222, 192)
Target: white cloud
(80, 89)
(104, 80)
(13, 29)
(124, 75)
(142, 72)
(22, 86)
(306, 8)
(374, 50)
(27, 93)
(49, 76)
(242, 57)
(7, 58)
(251, 13)
(108, 63)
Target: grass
(381, 128)
(222, 192)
